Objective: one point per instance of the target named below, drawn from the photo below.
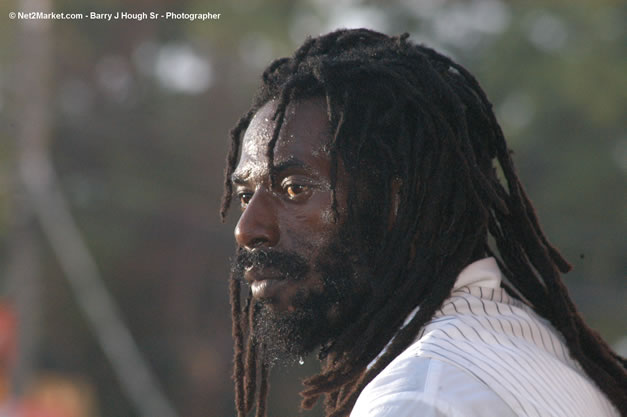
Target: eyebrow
(239, 179)
(290, 163)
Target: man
(376, 226)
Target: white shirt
(483, 354)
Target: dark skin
(294, 215)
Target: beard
(319, 314)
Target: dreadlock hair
(401, 113)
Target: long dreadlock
(403, 113)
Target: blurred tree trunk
(32, 72)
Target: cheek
(309, 225)
(322, 214)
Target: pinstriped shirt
(484, 354)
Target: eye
(295, 190)
(244, 198)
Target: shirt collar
(482, 273)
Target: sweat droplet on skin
(327, 216)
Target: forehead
(304, 136)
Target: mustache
(289, 264)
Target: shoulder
(420, 386)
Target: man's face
(291, 253)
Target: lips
(263, 284)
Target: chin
(288, 335)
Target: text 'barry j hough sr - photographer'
(153, 16)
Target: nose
(257, 226)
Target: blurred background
(113, 261)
